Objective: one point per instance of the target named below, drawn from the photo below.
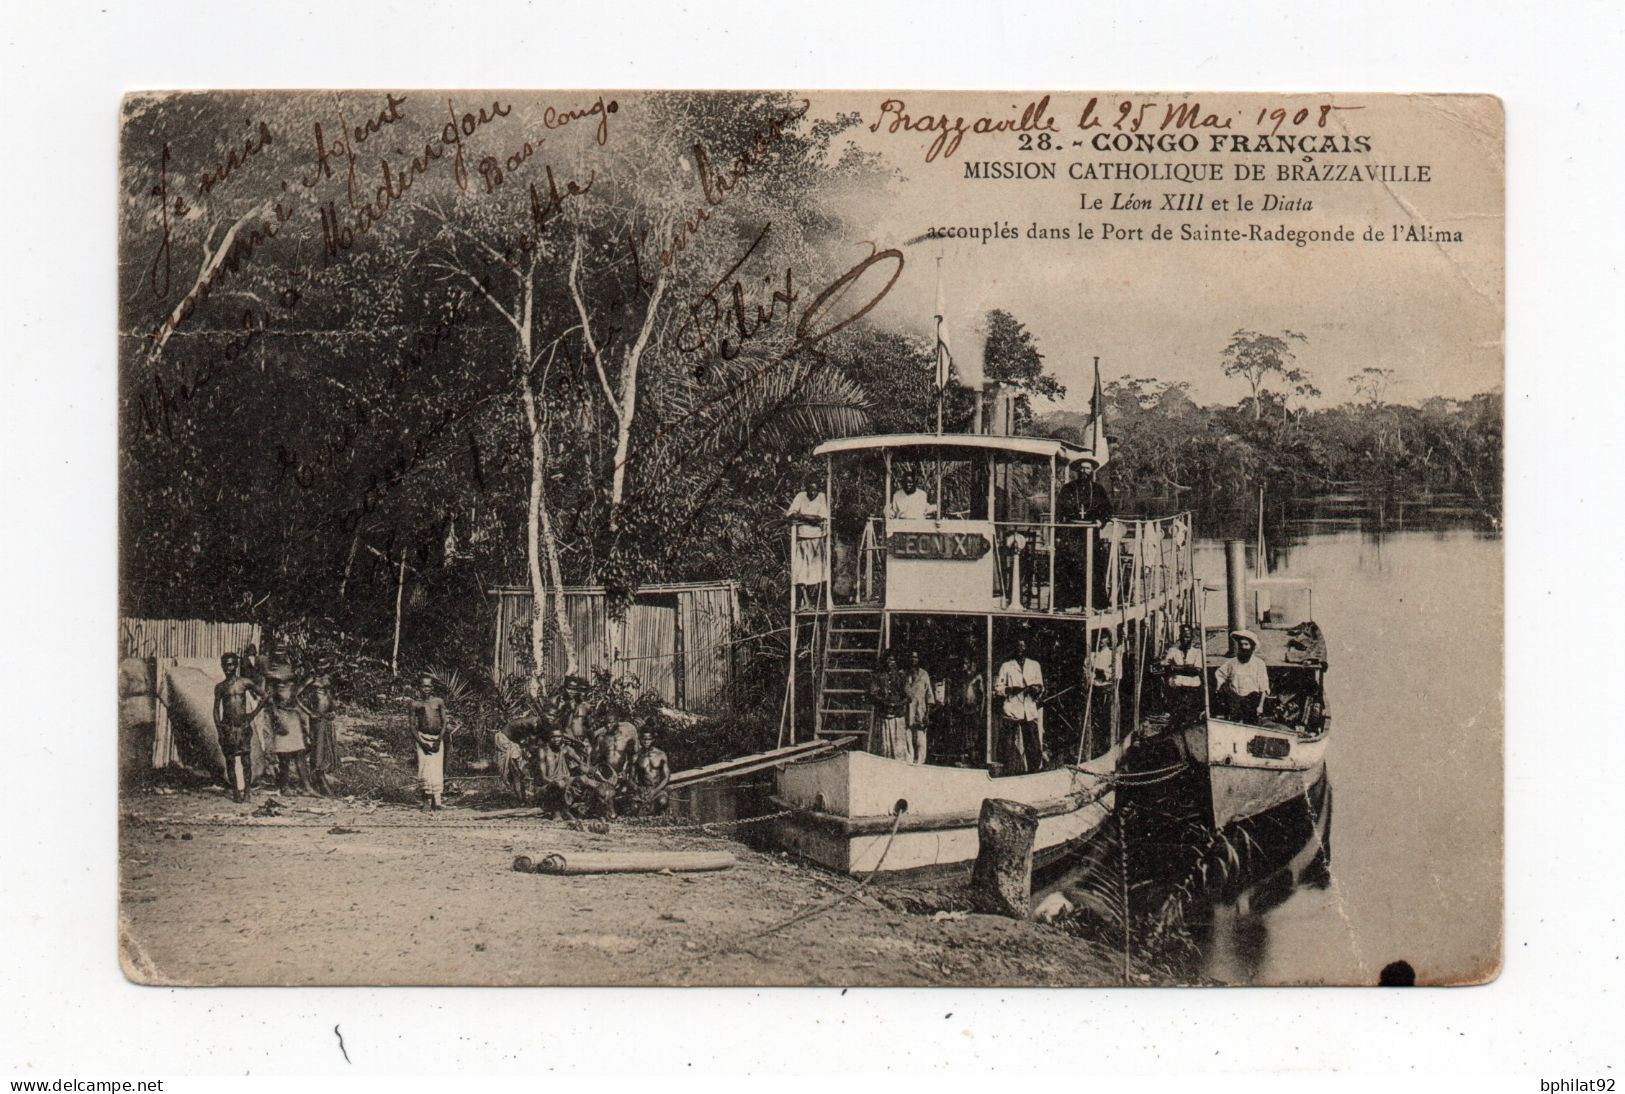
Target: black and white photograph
(895, 538)
(706, 545)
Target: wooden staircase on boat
(848, 656)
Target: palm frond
(452, 683)
(1095, 884)
(787, 405)
(511, 696)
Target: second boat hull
(1252, 769)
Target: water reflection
(1287, 520)
(1251, 869)
(1198, 902)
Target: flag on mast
(1097, 422)
(944, 354)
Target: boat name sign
(948, 546)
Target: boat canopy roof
(1030, 447)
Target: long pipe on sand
(626, 862)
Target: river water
(1398, 859)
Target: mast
(1049, 533)
(795, 627)
(942, 350)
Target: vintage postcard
(810, 538)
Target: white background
(68, 1011)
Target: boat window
(964, 489)
(859, 484)
(1021, 492)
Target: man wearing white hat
(1244, 681)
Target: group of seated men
(572, 767)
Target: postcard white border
(68, 63)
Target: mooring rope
(1149, 778)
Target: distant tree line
(1168, 449)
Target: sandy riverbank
(369, 893)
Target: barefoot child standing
(429, 734)
(291, 726)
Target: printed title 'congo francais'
(1261, 143)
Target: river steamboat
(962, 553)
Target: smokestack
(1235, 579)
(1001, 412)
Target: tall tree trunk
(400, 588)
(349, 562)
(542, 545)
(623, 445)
(212, 261)
(533, 551)
(623, 404)
(540, 542)
(629, 395)
(561, 610)
(539, 538)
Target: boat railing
(1037, 565)
(1154, 556)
